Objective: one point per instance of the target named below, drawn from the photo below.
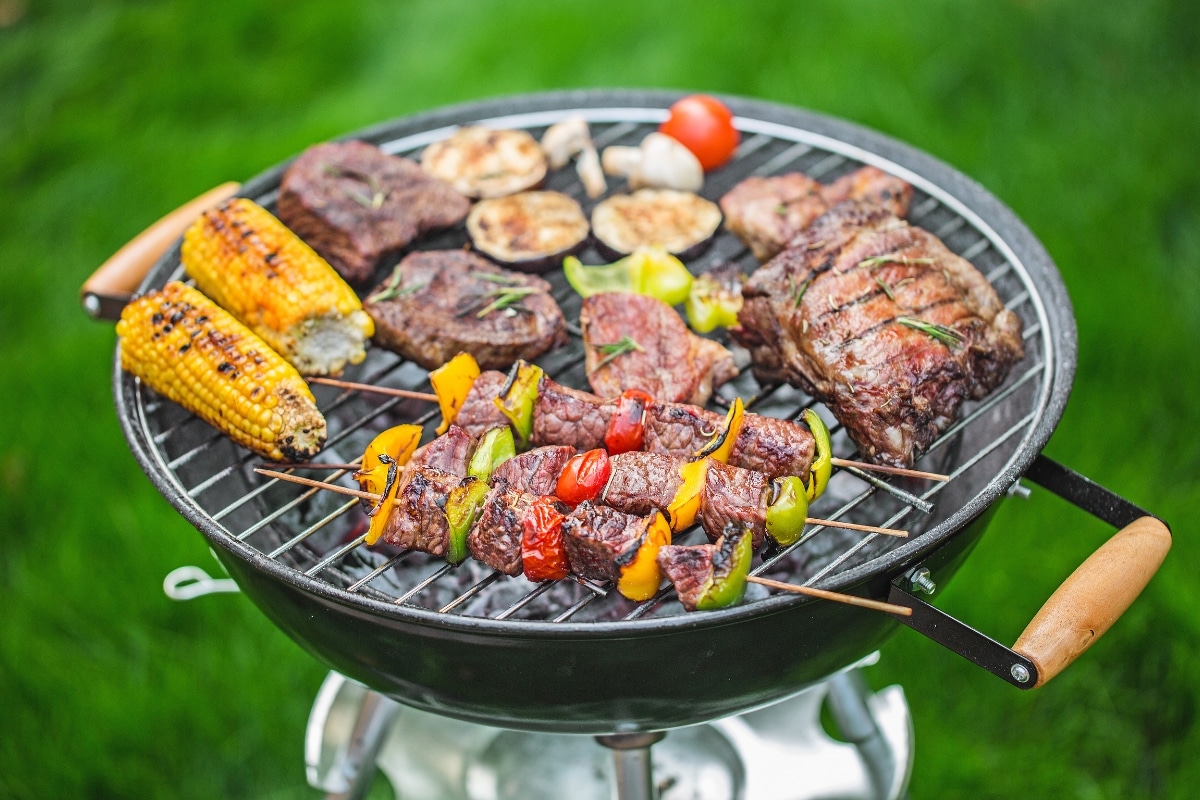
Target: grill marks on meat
(418, 521)
(767, 213)
(601, 540)
(857, 271)
(641, 482)
(359, 207)
(496, 537)
(673, 364)
(450, 452)
(535, 471)
(569, 416)
(428, 311)
(737, 496)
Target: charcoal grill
(573, 656)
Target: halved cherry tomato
(626, 429)
(584, 477)
(703, 125)
(543, 552)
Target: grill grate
(320, 535)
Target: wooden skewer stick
(366, 387)
(833, 523)
(374, 498)
(309, 465)
(432, 398)
(836, 597)
(908, 473)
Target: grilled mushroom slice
(484, 162)
(682, 223)
(530, 231)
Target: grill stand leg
(633, 768)
(847, 697)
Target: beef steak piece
(450, 452)
(879, 320)
(601, 540)
(495, 539)
(639, 482)
(670, 362)
(768, 212)
(734, 496)
(535, 471)
(359, 207)
(438, 303)
(418, 521)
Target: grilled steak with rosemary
(359, 207)
(632, 341)
(879, 320)
(767, 213)
(439, 303)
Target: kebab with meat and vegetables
(360, 207)
(438, 303)
(768, 212)
(880, 321)
(248, 262)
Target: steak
(495, 539)
(600, 540)
(535, 471)
(359, 207)
(450, 452)
(666, 359)
(879, 320)
(767, 213)
(439, 303)
(564, 415)
(736, 496)
(478, 412)
(418, 521)
(641, 482)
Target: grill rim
(970, 199)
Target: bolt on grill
(320, 535)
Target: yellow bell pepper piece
(397, 443)
(452, 383)
(720, 447)
(642, 577)
(686, 504)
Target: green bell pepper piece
(731, 565)
(462, 508)
(496, 447)
(710, 305)
(518, 397)
(788, 511)
(648, 271)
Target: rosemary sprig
(372, 201)
(893, 258)
(947, 336)
(496, 277)
(614, 349)
(392, 289)
(798, 292)
(886, 289)
(506, 298)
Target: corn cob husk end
(189, 350)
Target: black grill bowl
(562, 662)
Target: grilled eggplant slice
(484, 162)
(529, 231)
(682, 223)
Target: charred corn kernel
(186, 348)
(254, 267)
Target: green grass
(1081, 117)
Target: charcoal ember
(359, 207)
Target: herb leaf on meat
(619, 348)
(947, 336)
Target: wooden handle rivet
(1020, 673)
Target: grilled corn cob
(186, 348)
(256, 269)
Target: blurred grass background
(1084, 119)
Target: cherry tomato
(703, 125)
(584, 477)
(543, 552)
(626, 430)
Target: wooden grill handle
(111, 286)
(1093, 597)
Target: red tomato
(626, 428)
(705, 126)
(584, 477)
(543, 552)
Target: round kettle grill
(573, 656)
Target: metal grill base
(781, 752)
